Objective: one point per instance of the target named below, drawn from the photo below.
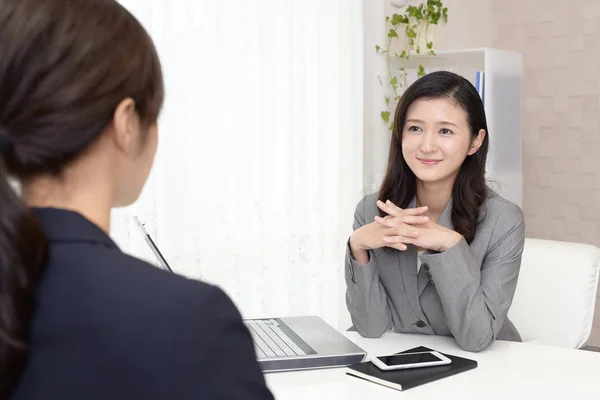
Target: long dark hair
(65, 65)
(470, 190)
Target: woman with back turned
(435, 251)
(80, 93)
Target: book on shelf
(480, 84)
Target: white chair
(556, 293)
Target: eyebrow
(423, 122)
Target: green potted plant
(410, 31)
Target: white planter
(399, 3)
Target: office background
(263, 154)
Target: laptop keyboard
(270, 340)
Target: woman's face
(437, 138)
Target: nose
(427, 142)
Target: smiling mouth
(428, 162)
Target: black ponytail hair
(23, 252)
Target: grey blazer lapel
(445, 220)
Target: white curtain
(259, 164)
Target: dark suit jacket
(109, 326)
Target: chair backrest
(556, 292)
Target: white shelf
(503, 73)
(471, 58)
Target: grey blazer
(463, 292)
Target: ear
(126, 126)
(476, 143)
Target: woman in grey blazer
(435, 251)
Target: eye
(445, 131)
(414, 128)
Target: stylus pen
(153, 247)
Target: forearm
(457, 278)
(366, 298)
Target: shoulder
(201, 316)
(203, 331)
(501, 219)
(194, 301)
(369, 201)
(101, 274)
(497, 209)
(368, 204)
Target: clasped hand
(402, 227)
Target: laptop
(289, 343)
(296, 343)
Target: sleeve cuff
(356, 272)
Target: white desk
(505, 371)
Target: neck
(84, 197)
(434, 195)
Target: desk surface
(506, 370)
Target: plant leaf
(385, 115)
(430, 45)
(421, 71)
(411, 33)
(394, 81)
(377, 48)
(392, 33)
(397, 19)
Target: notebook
(409, 378)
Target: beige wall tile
(560, 42)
